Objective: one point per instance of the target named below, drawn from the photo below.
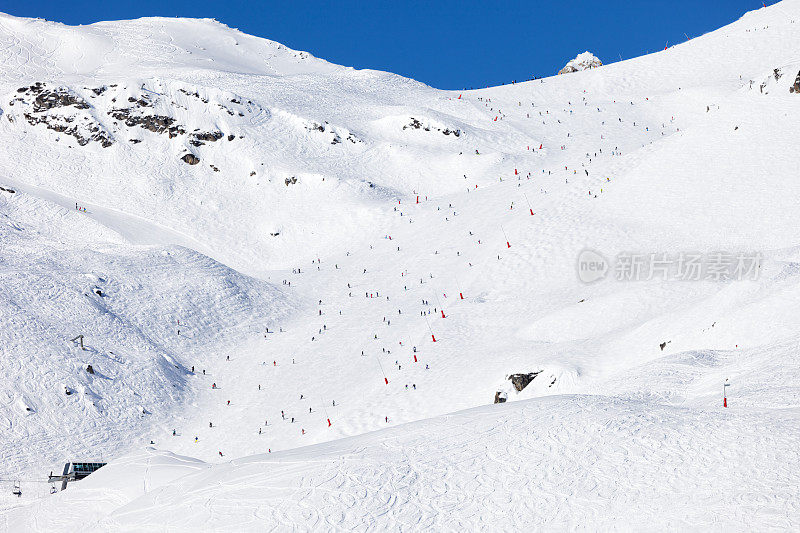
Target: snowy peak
(584, 61)
(35, 49)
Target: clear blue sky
(443, 43)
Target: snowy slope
(362, 204)
(562, 462)
(64, 275)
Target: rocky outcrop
(50, 99)
(154, 123)
(336, 138)
(520, 381)
(94, 133)
(416, 124)
(796, 87)
(190, 159)
(208, 136)
(110, 113)
(60, 110)
(584, 61)
(500, 397)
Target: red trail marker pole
(429, 329)
(725, 394)
(460, 294)
(504, 235)
(440, 305)
(326, 414)
(529, 203)
(385, 379)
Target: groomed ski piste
(260, 247)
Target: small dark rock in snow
(796, 87)
(520, 381)
(191, 159)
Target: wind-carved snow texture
(259, 293)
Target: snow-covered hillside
(260, 248)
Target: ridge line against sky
(446, 44)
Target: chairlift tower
(78, 340)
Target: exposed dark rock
(190, 159)
(141, 102)
(206, 136)
(291, 180)
(46, 100)
(416, 124)
(520, 381)
(45, 108)
(89, 369)
(231, 137)
(500, 397)
(53, 123)
(154, 123)
(796, 87)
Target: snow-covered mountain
(584, 61)
(259, 249)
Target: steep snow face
(584, 61)
(411, 248)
